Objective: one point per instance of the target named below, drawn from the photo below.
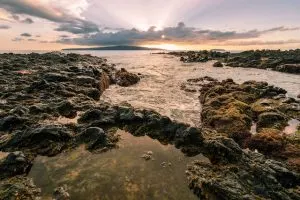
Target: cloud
(17, 39)
(64, 36)
(4, 27)
(78, 27)
(26, 35)
(177, 34)
(41, 9)
(259, 42)
(25, 21)
(282, 28)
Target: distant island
(218, 50)
(120, 48)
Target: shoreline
(40, 87)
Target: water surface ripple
(164, 74)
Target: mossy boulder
(268, 141)
(272, 120)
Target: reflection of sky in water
(292, 127)
(117, 174)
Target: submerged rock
(92, 134)
(61, 193)
(97, 139)
(18, 188)
(148, 155)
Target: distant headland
(119, 47)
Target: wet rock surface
(60, 193)
(218, 64)
(18, 187)
(199, 56)
(38, 90)
(141, 122)
(282, 61)
(125, 78)
(231, 109)
(228, 111)
(15, 163)
(250, 177)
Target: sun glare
(172, 47)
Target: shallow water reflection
(117, 174)
(3, 154)
(292, 126)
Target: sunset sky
(171, 24)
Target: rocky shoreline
(39, 90)
(277, 60)
(231, 109)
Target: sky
(170, 24)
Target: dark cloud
(17, 39)
(25, 21)
(78, 27)
(4, 27)
(259, 42)
(66, 22)
(26, 35)
(179, 33)
(282, 28)
(64, 36)
(15, 17)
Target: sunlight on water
(164, 74)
